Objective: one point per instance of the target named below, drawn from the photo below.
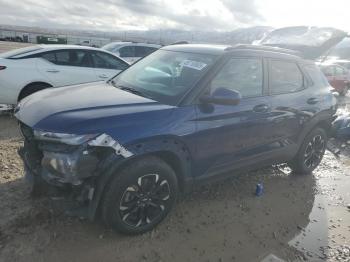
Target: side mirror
(222, 96)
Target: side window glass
(50, 56)
(106, 61)
(150, 50)
(127, 51)
(285, 77)
(316, 75)
(62, 57)
(140, 51)
(241, 74)
(78, 58)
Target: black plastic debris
(341, 127)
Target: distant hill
(163, 36)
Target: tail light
(2, 67)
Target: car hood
(311, 42)
(69, 109)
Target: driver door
(233, 135)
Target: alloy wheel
(314, 151)
(144, 200)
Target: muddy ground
(297, 218)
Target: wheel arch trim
(171, 150)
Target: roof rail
(265, 48)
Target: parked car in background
(182, 115)
(129, 51)
(337, 76)
(28, 70)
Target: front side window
(78, 58)
(165, 76)
(244, 75)
(285, 77)
(106, 61)
(62, 58)
(49, 56)
(141, 51)
(127, 51)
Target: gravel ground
(7, 46)
(298, 218)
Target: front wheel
(140, 196)
(311, 152)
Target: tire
(310, 153)
(31, 89)
(140, 196)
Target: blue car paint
(210, 138)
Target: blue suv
(125, 148)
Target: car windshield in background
(165, 76)
(20, 52)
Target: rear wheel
(140, 196)
(311, 152)
(31, 89)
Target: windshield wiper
(133, 91)
(129, 89)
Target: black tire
(31, 89)
(131, 203)
(311, 152)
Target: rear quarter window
(316, 75)
(285, 77)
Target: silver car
(129, 51)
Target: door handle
(103, 76)
(52, 71)
(263, 108)
(312, 101)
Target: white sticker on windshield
(193, 64)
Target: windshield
(165, 76)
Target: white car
(27, 70)
(129, 51)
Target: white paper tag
(193, 64)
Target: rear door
(67, 67)
(106, 65)
(289, 104)
(233, 134)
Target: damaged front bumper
(70, 171)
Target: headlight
(69, 139)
